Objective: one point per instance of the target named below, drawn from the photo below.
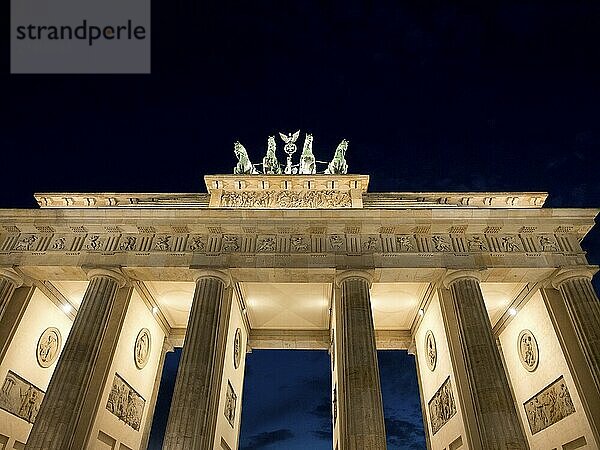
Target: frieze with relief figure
(20, 397)
(550, 405)
(442, 406)
(125, 403)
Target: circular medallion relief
(237, 348)
(430, 350)
(528, 350)
(48, 347)
(141, 352)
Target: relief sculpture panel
(20, 397)
(442, 406)
(125, 403)
(286, 199)
(551, 404)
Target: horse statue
(307, 160)
(270, 164)
(244, 166)
(338, 164)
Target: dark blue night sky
(286, 402)
(483, 96)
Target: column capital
(225, 277)
(12, 276)
(347, 274)
(563, 275)
(456, 275)
(113, 273)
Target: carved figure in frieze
(267, 244)
(26, 243)
(509, 244)
(441, 244)
(95, 243)
(286, 199)
(125, 403)
(404, 243)
(128, 243)
(338, 164)
(59, 243)
(442, 406)
(230, 244)
(230, 404)
(476, 243)
(298, 244)
(270, 164)
(336, 241)
(548, 245)
(370, 244)
(549, 406)
(244, 166)
(197, 244)
(21, 398)
(29, 407)
(162, 243)
(307, 159)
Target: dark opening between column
(287, 400)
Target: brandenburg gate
(491, 292)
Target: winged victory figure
(290, 149)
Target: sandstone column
(497, 420)
(63, 421)
(583, 307)
(9, 281)
(360, 418)
(193, 414)
(14, 299)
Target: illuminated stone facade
(490, 291)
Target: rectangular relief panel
(551, 404)
(442, 406)
(20, 397)
(125, 403)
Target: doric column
(14, 298)
(9, 281)
(63, 421)
(497, 421)
(361, 422)
(583, 307)
(194, 405)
